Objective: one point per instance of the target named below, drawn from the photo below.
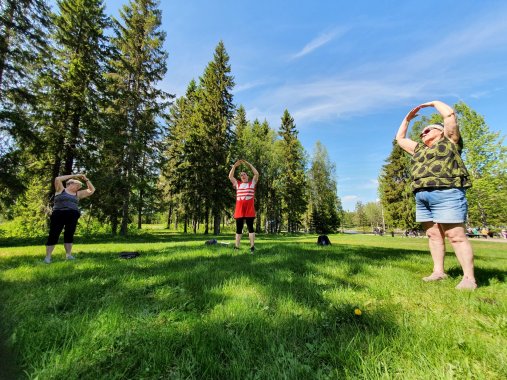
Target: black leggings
(249, 224)
(59, 220)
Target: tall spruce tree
(24, 26)
(183, 154)
(294, 181)
(395, 189)
(136, 103)
(216, 113)
(23, 29)
(240, 123)
(73, 90)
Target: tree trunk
(216, 224)
(114, 224)
(206, 222)
(140, 210)
(169, 216)
(70, 150)
(125, 212)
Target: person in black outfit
(66, 212)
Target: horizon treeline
(79, 92)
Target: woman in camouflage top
(439, 181)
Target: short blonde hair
(70, 181)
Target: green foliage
(199, 145)
(257, 142)
(31, 211)
(486, 160)
(373, 213)
(323, 198)
(24, 27)
(131, 146)
(395, 189)
(293, 181)
(215, 111)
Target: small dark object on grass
(211, 242)
(128, 255)
(323, 240)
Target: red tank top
(245, 193)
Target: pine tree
(240, 123)
(215, 113)
(395, 189)
(185, 186)
(72, 90)
(136, 103)
(294, 182)
(24, 26)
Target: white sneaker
(47, 260)
(70, 257)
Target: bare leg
(251, 236)
(238, 240)
(49, 252)
(462, 248)
(437, 245)
(68, 250)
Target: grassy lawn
(184, 310)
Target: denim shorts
(441, 206)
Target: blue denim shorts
(441, 206)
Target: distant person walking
(66, 212)
(439, 181)
(245, 198)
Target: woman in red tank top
(245, 198)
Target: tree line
(79, 92)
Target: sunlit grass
(186, 310)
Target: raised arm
(59, 181)
(231, 173)
(408, 145)
(90, 189)
(254, 171)
(451, 129)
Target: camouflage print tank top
(439, 166)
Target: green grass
(183, 310)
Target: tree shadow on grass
(149, 236)
(483, 276)
(188, 285)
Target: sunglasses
(427, 130)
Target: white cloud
(436, 70)
(487, 33)
(248, 86)
(319, 41)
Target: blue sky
(347, 71)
